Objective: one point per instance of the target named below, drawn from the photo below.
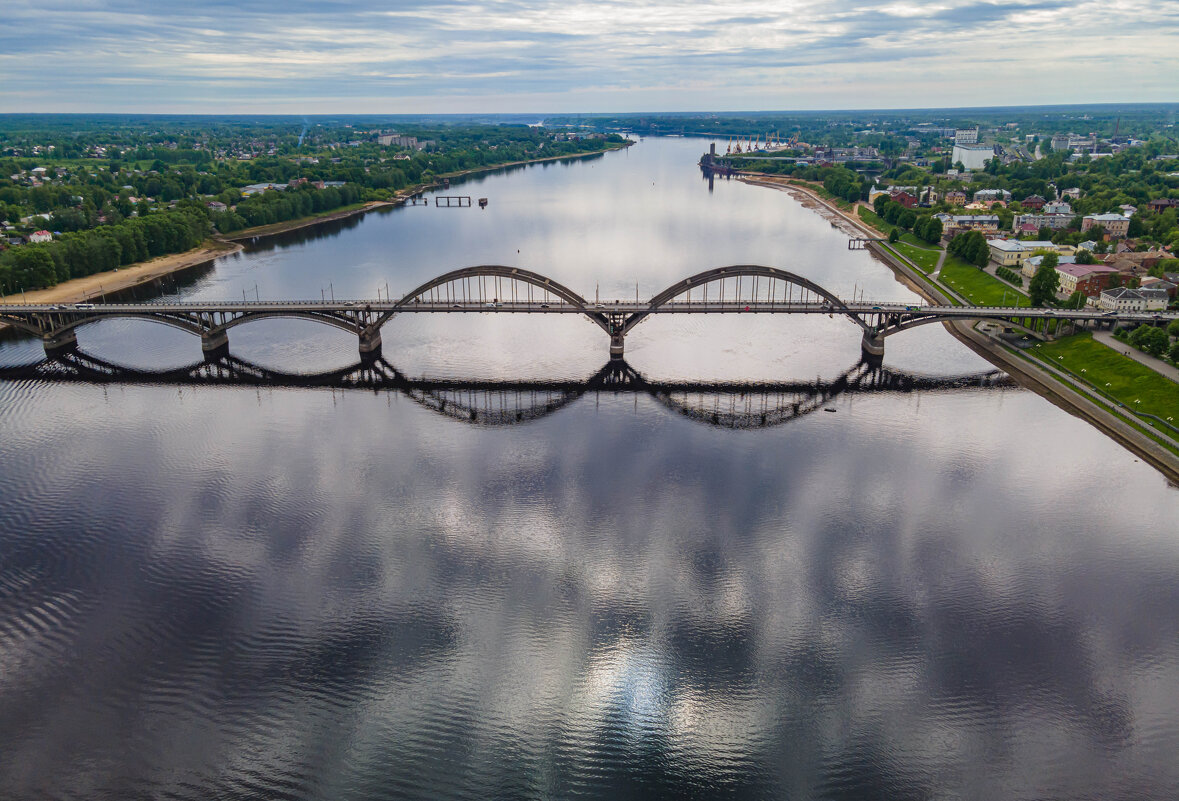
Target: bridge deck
(864, 308)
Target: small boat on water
(482, 202)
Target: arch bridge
(735, 289)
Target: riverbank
(134, 275)
(124, 278)
(1060, 390)
(305, 222)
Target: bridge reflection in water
(492, 402)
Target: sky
(567, 56)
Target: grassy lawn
(1137, 386)
(924, 258)
(913, 239)
(978, 287)
(874, 220)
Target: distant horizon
(616, 113)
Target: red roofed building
(904, 198)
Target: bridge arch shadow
(725, 404)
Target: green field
(1137, 386)
(874, 220)
(924, 258)
(978, 287)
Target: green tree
(894, 236)
(1044, 283)
(1149, 339)
(1076, 300)
(1173, 328)
(1173, 353)
(1084, 257)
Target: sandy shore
(1025, 373)
(94, 286)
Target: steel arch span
(766, 293)
(463, 283)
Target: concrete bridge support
(370, 344)
(873, 346)
(57, 343)
(617, 345)
(214, 343)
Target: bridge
(736, 289)
(726, 404)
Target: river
(244, 592)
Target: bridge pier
(57, 343)
(617, 345)
(214, 343)
(370, 344)
(873, 346)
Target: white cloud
(613, 55)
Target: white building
(966, 136)
(1057, 222)
(973, 157)
(1123, 299)
(40, 236)
(991, 195)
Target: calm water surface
(253, 592)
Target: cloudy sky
(412, 56)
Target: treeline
(971, 247)
(103, 248)
(273, 206)
(925, 226)
(73, 255)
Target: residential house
(1088, 278)
(216, 205)
(904, 198)
(1170, 287)
(1007, 252)
(1033, 202)
(1066, 254)
(956, 197)
(991, 195)
(1124, 299)
(1013, 252)
(1057, 207)
(1032, 263)
(1116, 226)
(955, 224)
(40, 236)
(1056, 222)
(1161, 204)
